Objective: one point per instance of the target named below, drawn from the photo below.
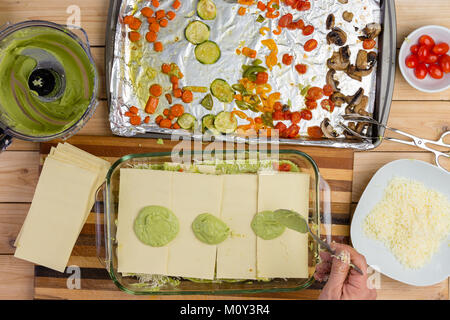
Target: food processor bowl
(48, 81)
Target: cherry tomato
(414, 49)
(292, 131)
(412, 61)
(431, 58)
(315, 132)
(290, 2)
(281, 127)
(286, 167)
(301, 68)
(328, 90)
(277, 106)
(303, 5)
(435, 71)
(285, 20)
(311, 104)
(287, 59)
(427, 41)
(328, 105)
(287, 115)
(444, 62)
(262, 78)
(278, 115)
(314, 93)
(300, 24)
(296, 117)
(369, 44)
(440, 48)
(308, 30)
(421, 71)
(310, 45)
(423, 53)
(306, 114)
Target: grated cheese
(411, 220)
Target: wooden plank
(394, 290)
(18, 175)
(412, 14)
(98, 125)
(366, 164)
(93, 14)
(427, 119)
(12, 216)
(16, 278)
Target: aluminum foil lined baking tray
(128, 70)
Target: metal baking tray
(319, 217)
(385, 77)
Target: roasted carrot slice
(163, 23)
(134, 36)
(165, 123)
(154, 27)
(134, 110)
(156, 90)
(177, 93)
(135, 120)
(171, 15)
(176, 4)
(177, 110)
(135, 24)
(160, 14)
(151, 105)
(166, 68)
(158, 46)
(187, 96)
(155, 3)
(147, 119)
(147, 12)
(151, 36)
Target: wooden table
(426, 115)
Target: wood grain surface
(423, 114)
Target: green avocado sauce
(156, 226)
(266, 226)
(24, 108)
(210, 229)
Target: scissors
(416, 141)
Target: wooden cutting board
(336, 167)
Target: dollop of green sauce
(266, 226)
(210, 229)
(156, 226)
(292, 220)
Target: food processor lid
(47, 80)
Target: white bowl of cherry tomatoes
(424, 59)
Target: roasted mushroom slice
(360, 108)
(348, 135)
(366, 61)
(343, 1)
(330, 80)
(328, 130)
(356, 98)
(337, 36)
(347, 16)
(371, 31)
(340, 60)
(354, 73)
(338, 99)
(330, 21)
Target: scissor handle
(438, 155)
(441, 140)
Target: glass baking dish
(106, 229)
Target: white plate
(380, 257)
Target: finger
(339, 273)
(325, 256)
(356, 258)
(323, 268)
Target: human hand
(344, 283)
